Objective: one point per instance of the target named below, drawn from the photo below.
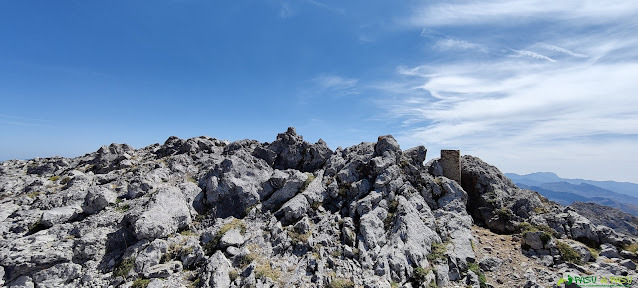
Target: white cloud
(527, 105)
(458, 13)
(336, 83)
(561, 50)
(285, 10)
(533, 55)
(456, 44)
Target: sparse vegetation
(392, 208)
(265, 270)
(438, 252)
(474, 267)
(298, 237)
(65, 180)
(140, 283)
(122, 207)
(211, 245)
(546, 236)
(311, 177)
(419, 275)
(33, 194)
(633, 247)
(36, 226)
(233, 274)
(316, 205)
(525, 227)
(540, 210)
(341, 283)
(54, 178)
(196, 282)
(188, 233)
(249, 208)
(505, 213)
(245, 260)
(124, 267)
(568, 253)
(594, 253)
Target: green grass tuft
(124, 267)
(419, 276)
(568, 253)
(311, 177)
(438, 252)
(341, 283)
(474, 267)
(141, 283)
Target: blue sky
(528, 85)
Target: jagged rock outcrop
(204, 212)
(604, 215)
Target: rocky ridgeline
(208, 213)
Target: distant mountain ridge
(534, 179)
(568, 191)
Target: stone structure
(451, 162)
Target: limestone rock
(490, 263)
(211, 213)
(231, 238)
(608, 251)
(166, 212)
(97, 198)
(59, 215)
(217, 271)
(163, 270)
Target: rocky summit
(205, 212)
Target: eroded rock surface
(204, 212)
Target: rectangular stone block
(451, 163)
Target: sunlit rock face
(204, 212)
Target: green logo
(596, 281)
(568, 281)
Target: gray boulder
(231, 238)
(608, 251)
(59, 215)
(217, 269)
(293, 181)
(236, 184)
(490, 263)
(294, 153)
(165, 213)
(163, 270)
(150, 256)
(97, 198)
(538, 240)
(60, 275)
(627, 263)
(22, 282)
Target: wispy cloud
(528, 103)
(561, 50)
(456, 44)
(532, 54)
(25, 121)
(285, 10)
(335, 83)
(459, 13)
